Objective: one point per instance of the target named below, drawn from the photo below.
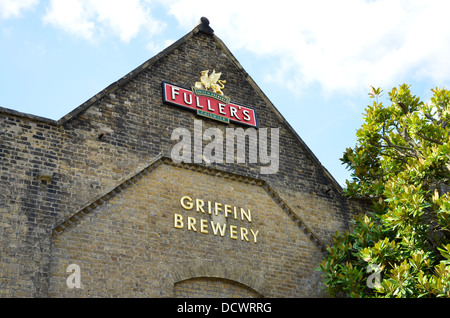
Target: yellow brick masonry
(130, 247)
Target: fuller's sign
(207, 99)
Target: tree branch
(411, 151)
(430, 139)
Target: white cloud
(155, 48)
(14, 8)
(91, 19)
(341, 45)
(72, 16)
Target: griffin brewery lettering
(206, 226)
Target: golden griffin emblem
(211, 82)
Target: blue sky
(315, 60)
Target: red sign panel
(217, 108)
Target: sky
(314, 60)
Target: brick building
(97, 205)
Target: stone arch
(212, 287)
(202, 272)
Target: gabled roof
(160, 160)
(203, 27)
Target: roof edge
(127, 78)
(110, 88)
(12, 112)
(280, 116)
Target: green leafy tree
(401, 162)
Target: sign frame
(203, 108)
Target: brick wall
(50, 170)
(129, 245)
